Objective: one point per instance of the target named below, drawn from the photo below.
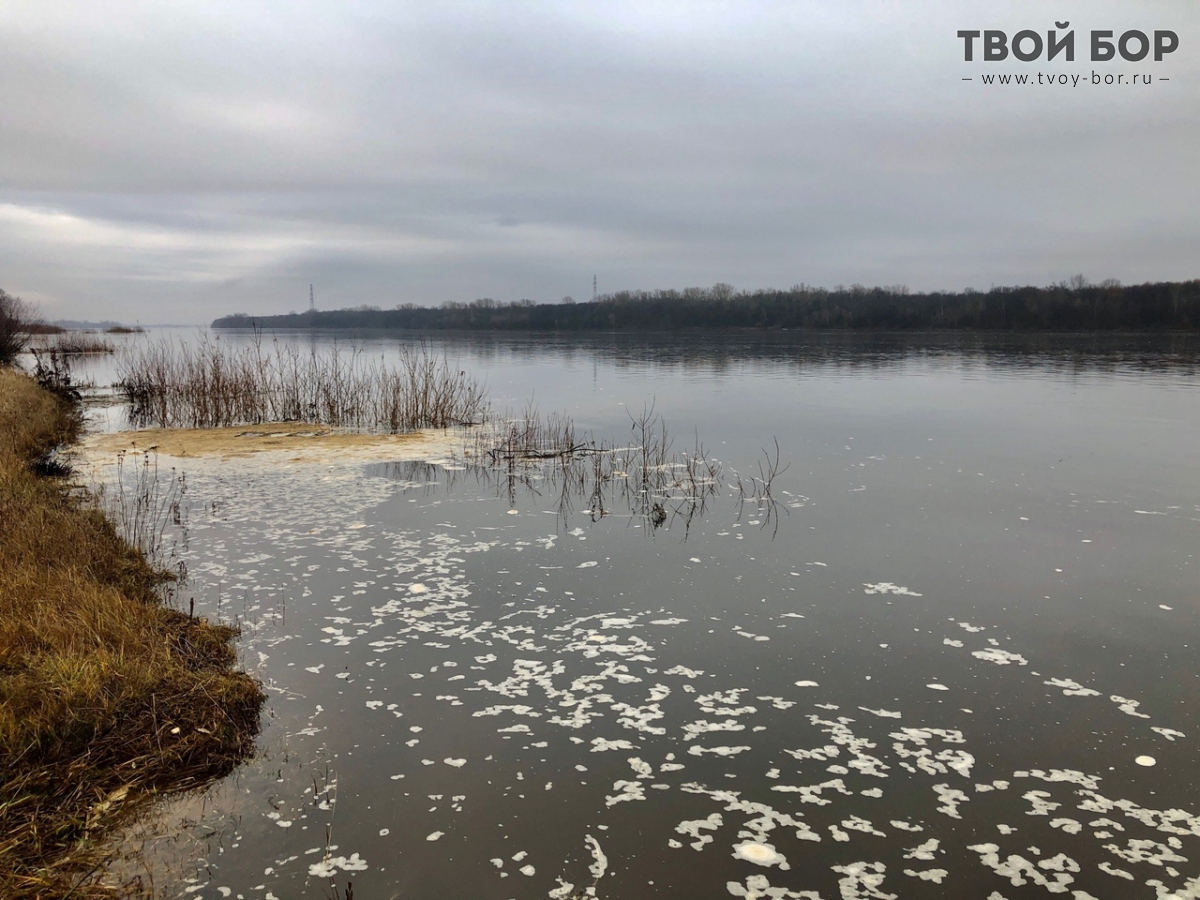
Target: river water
(955, 658)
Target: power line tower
(312, 304)
(594, 294)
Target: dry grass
(656, 483)
(75, 343)
(107, 696)
(209, 384)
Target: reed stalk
(210, 384)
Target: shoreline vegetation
(108, 696)
(201, 394)
(209, 384)
(1074, 305)
(73, 344)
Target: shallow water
(929, 671)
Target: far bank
(1071, 306)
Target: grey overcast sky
(171, 162)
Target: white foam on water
(1109, 869)
(758, 887)
(862, 881)
(549, 691)
(1072, 688)
(1169, 733)
(692, 828)
(999, 657)
(328, 867)
(858, 823)
(950, 799)
(1019, 870)
(886, 587)
(599, 863)
(601, 745)
(625, 791)
(1040, 803)
(760, 853)
(1070, 826)
(934, 875)
(697, 750)
(1127, 706)
(926, 852)
(692, 730)
(882, 713)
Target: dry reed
(74, 343)
(646, 476)
(209, 384)
(142, 503)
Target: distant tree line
(1074, 305)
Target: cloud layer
(174, 162)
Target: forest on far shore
(1074, 305)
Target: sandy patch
(291, 441)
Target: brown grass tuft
(107, 696)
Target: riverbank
(108, 697)
(1074, 306)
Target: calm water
(927, 672)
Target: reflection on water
(1174, 353)
(961, 665)
(854, 352)
(643, 478)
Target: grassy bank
(107, 696)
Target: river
(952, 657)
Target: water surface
(928, 671)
